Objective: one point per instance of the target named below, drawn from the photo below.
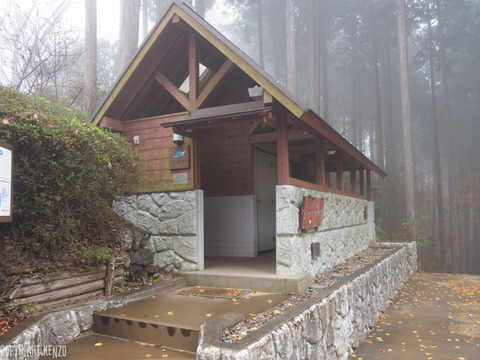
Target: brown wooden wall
(156, 144)
(226, 160)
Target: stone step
(148, 331)
(296, 284)
(96, 346)
(174, 320)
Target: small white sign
(180, 178)
(6, 158)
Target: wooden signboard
(311, 213)
(180, 157)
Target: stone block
(187, 224)
(167, 227)
(162, 243)
(164, 258)
(161, 198)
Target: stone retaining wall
(329, 325)
(61, 327)
(345, 231)
(168, 230)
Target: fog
(346, 68)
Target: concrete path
(435, 316)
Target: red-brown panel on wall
(311, 213)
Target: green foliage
(101, 255)
(66, 175)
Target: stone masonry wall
(168, 230)
(329, 325)
(343, 233)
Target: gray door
(266, 180)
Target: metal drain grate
(223, 293)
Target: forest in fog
(342, 58)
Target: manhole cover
(466, 318)
(224, 293)
(471, 330)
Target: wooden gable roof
(150, 84)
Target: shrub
(66, 175)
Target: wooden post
(283, 170)
(193, 71)
(361, 175)
(339, 168)
(197, 173)
(369, 185)
(320, 162)
(109, 276)
(353, 181)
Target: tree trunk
(325, 105)
(144, 18)
(436, 147)
(357, 129)
(379, 149)
(200, 7)
(406, 117)
(312, 79)
(451, 176)
(389, 211)
(90, 74)
(161, 8)
(129, 23)
(290, 42)
(260, 34)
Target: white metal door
(266, 180)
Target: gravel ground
(320, 282)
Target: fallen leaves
(9, 321)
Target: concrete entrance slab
(435, 316)
(257, 273)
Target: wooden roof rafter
(212, 82)
(173, 90)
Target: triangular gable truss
(203, 40)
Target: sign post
(6, 182)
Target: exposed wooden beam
(282, 151)
(173, 90)
(311, 122)
(268, 119)
(318, 187)
(192, 70)
(182, 132)
(272, 137)
(214, 81)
